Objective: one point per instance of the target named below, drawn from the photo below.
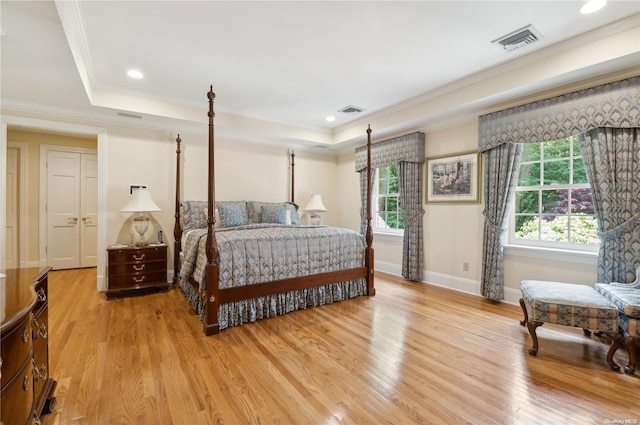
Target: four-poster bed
(235, 268)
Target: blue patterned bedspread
(259, 253)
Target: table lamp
(141, 202)
(314, 208)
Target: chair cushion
(568, 304)
(625, 298)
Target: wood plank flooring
(413, 354)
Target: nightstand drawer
(140, 255)
(137, 269)
(131, 281)
(140, 267)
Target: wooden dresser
(27, 389)
(137, 269)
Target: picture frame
(453, 178)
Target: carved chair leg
(631, 343)
(617, 341)
(532, 330)
(524, 310)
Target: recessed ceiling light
(592, 6)
(330, 118)
(134, 73)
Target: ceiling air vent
(128, 115)
(351, 110)
(518, 38)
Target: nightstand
(137, 269)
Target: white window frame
(382, 230)
(549, 249)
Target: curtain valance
(408, 148)
(615, 104)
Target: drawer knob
(138, 279)
(25, 335)
(138, 268)
(135, 257)
(25, 383)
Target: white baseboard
(511, 296)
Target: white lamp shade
(140, 201)
(315, 204)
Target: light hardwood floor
(414, 353)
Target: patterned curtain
(612, 160)
(408, 152)
(615, 104)
(410, 188)
(501, 167)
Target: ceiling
(280, 68)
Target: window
(553, 204)
(388, 211)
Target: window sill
(579, 257)
(388, 236)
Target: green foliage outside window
(553, 200)
(388, 214)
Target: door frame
(68, 128)
(23, 150)
(44, 192)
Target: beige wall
(34, 140)
(453, 232)
(243, 172)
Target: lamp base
(314, 219)
(141, 224)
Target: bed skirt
(245, 311)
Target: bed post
(177, 229)
(211, 325)
(293, 175)
(368, 252)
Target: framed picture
(454, 178)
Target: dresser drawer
(40, 330)
(16, 348)
(133, 281)
(42, 291)
(17, 397)
(41, 370)
(133, 256)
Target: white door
(63, 210)
(72, 209)
(89, 210)
(12, 213)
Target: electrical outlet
(465, 267)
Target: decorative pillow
(293, 208)
(232, 213)
(194, 215)
(274, 213)
(254, 209)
